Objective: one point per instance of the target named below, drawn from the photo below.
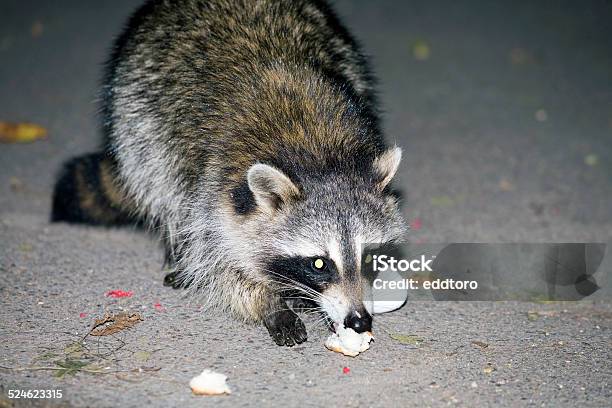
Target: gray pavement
(507, 133)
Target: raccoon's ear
(270, 186)
(385, 166)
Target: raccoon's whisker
(315, 312)
(282, 309)
(312, 312)
(298, 297)
(284, 287)
(319, 322)
(297, 285)
(306, 288)
(289, 283)
(316, 321)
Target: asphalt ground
(504, 111)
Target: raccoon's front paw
(286, 328)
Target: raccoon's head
(312, 232)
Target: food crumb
(209, 383)
(348, 342)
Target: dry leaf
(480, 344)
(142, 355)
(421, 50)
(488, 369)
(69, 367)
(145, 369)
(442, 201)
(21, 132)
(25, 247)
(409, 339)
(548, 313)
(591, 160)
(48, 355)
(506, 185)
(37, 29)
(16, 184)
(74, 350)
(111, 324)
(520, 56)
(532, 316)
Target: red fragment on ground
(82, 315)
(416, 224)
(158, 306)
(119, 293)
(346, 370)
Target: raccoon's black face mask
(315, 272)
(313, 232)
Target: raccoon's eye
(319, 264)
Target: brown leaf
(142, 355)
(145, 369)
(480, 344)
(16, 184)
(532, 316)
(37, 29)
(111, 324)
(520, 56)
(21, 132)
(409, 339)
(421, 50)
(591, 160)
(488, 369)
(505, 185)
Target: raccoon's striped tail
(88, 192)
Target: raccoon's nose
(359, 320)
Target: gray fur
(198, 92)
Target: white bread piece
(348, 341)
(209, 383)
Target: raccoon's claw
(172, 279)
(286, 328)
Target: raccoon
(246, 133)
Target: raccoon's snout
(359, 320)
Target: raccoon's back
(212, 86)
